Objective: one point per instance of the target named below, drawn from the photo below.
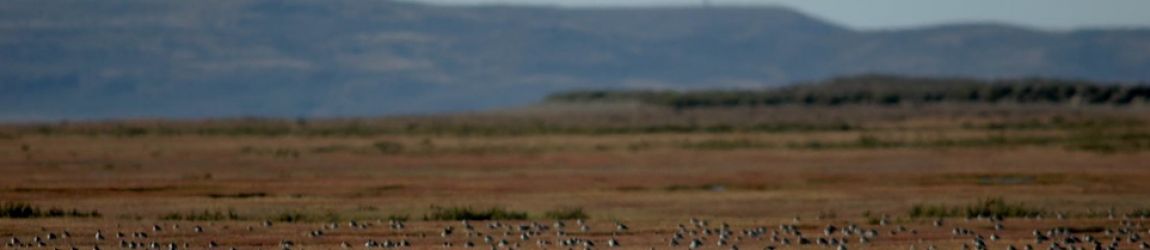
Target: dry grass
(654, 179)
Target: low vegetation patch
(377, 190)
(21, 210)
(205, 215)
(571, 213)
(630, 188)
(886, 90)
(388, 147)
(873, 142)
(724, 144)
(398, 217)
(714, 187)
(287, 153)
(1082, 230)
(333, 149)
(1140, 213)
(719, 187)
(989, 207)
(108, 189)
(1001, 179)
(238, 195)
(290, 217)
(438, 213)
(1109, 142)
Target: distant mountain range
(80, 59)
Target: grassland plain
(650, 167)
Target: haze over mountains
(140, 58)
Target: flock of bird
(979, 234)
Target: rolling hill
(73, 59)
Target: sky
(895, 14)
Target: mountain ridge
(132, 58)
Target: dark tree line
(883, 90)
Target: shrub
(26, 210)
(467, 213)
(388, 147)
(990, 207)
(289, 217)
(205, 215)
(998, 207)
(1140, 213)
(574, 213)
(18, 210)
(722, 144)
(238, 195)
(397, 217)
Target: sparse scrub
(990, 207)
(1139, 213)
(377, 190)
(724, 144)
(21, 210)
(289, 153)
(1098, 141)
(398, 217)
(289, 216)
(205, 215)
(468, 213)
(332, 149)
(883, 90)
(388, 147)
(870, 141)
(1095, 214)
(571, 213)
(238, 195)
(873, 142)
(702, 187)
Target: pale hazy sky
(887, 14)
